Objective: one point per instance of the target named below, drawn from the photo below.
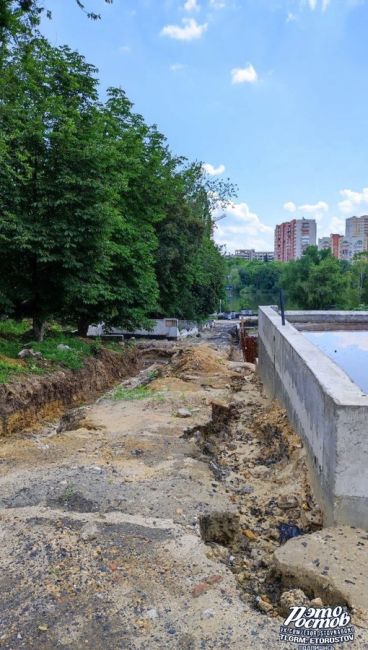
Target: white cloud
(244, 75)
(177, 67)
(324, 4)
(125, 48)
(290, 18)
(316, 210)
(217, 4)
(243, 229)
(321, 206)
(188, 32)
(334, 225)
(290, 206)
(213, 171)
(352, 200)
(191, 5)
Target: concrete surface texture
(330, 564)
(327, 409)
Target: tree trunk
(83, 325)
(38, 328)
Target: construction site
(174, 509)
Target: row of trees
(98, 219)
(316, 281)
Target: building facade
(293, 237)
(250, 254)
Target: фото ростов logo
(310, 627)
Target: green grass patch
(72, 358)
(14, 329)
(8, 370)
(143, 392)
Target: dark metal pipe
(282, 306)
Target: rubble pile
(261, 461)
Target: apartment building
(250, 254)
(293, 237)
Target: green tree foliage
(98, 221)
(22, 16)
(316, 281)
(190, 267)
(254, 282)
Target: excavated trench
(119, 496)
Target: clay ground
(100, 542)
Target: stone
(183, 413)
(330, 564)
(287, 501)
(27, 352)
(89, 532)
(264, 606)
(61, 346)
(292, 598)
(220, 527)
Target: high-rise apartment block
(293, 237)
(333, 242)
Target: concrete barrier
(327, 409)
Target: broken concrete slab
(330, 564)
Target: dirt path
(100, 538)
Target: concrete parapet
(326, 408)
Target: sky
(272, 94)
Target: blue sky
(270, 93)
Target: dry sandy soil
(103, 519)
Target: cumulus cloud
(189, 31)
(312, 208)
(191, 5)
(290, 18)
(290, 206)
(244, 75)
(242, 228)
(213, 171)
(334, 225)
(315, 210)
(352, 200)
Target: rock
(219, 527)
(264, 606)
(61, 346)
(331, 564)
(89, 532)
(316, 602)
(287, 501)
(183, 413)
(27, 352)
(292, 598)
(152, 614)
(312, 519)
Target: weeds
(128, 394)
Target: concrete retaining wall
(327, 409)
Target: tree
(22, 16)
(187, 257)
(315, 281)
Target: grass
(72, 358)
(143, 392)
(15, 336)
(8, 369)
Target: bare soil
(129, 527)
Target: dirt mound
(199, 359)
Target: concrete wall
(327, 409)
